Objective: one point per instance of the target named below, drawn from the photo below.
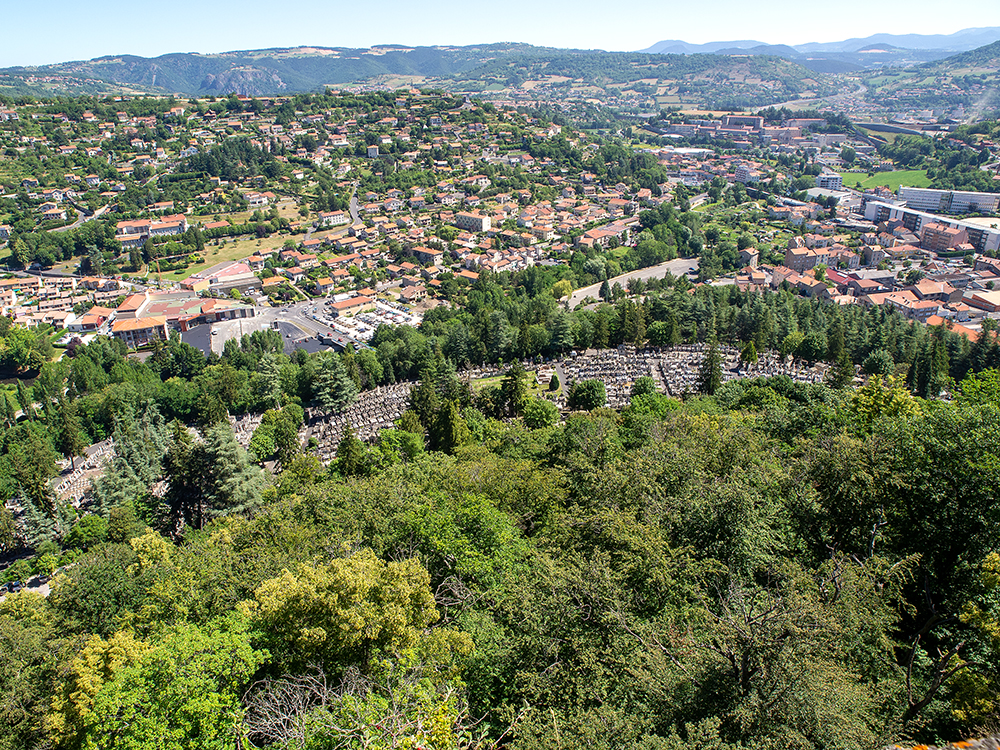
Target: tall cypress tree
(350, 454)
(334, 389)
(710, 373)
(68, 440)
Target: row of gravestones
(674, 369)
(244, 428)
(77, 484)
(618, 369)
(372, 412)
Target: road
(81, 219)
(678, 267)
(355, 216)
(35, 587)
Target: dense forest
(773, 566)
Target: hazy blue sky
(36, 33)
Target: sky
(36, 33)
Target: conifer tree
(334, 389)
(68, 440)
(710, 373)
(350, 454)
(450, 429)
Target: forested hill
(282, 71)
(774, 566)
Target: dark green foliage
(586, 395)
(710, 371)
(350, 455)
(333, 388)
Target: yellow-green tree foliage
(343, 610)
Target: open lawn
(892, 180)
(213, 254)
(220, 253)
(534, 389)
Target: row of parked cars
(10, 588)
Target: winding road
(96, 215)
(678, 267)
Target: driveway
(81, 219)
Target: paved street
(677, 267)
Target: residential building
(352, 306)
(941, 237)
(136, 332)
(472, 221)
(983, 239)
(949, 201)
(830, 181)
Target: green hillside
(970, 79)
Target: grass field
(892, 180)
(534, 389)
(230, 251)
(213, 254)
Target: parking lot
(303, 325)
(361, 327)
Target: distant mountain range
(478, 68)
(878, 50)
(722, 75)
(271, 71)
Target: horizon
(68, 32)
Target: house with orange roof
(324, 285)
(352, 306)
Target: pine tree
(350, 455)
(710, 373)
(184, 494)
(424, 399)
(347, 359)
(270, 391)
(33, 464)
(514, 390)
(286, 440)
(7, 411)
(334, 389)
(68, 440)
(842, 374)
(410, 422)
(134, 258)
(601, 332)
(235, 486)
(26, 400)
(450, 429)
